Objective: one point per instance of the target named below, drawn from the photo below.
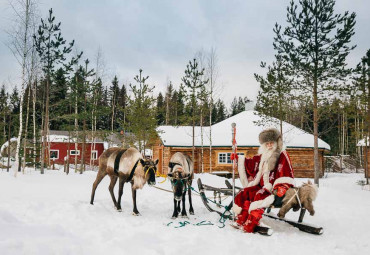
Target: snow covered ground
(51, 214)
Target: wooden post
(233, 125)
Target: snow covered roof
(5, 145)
(247, 132)
(61, 136)
(362, 142)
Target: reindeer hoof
(174, 217)
(120, 210)
(191, 213)
(184, 217)
(136, 214)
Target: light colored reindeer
(127, 166)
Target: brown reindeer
(307, 193)
(127, 165)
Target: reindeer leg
(113, 180)
(183, 211)
(191, 209)
(175, 210)
(283, 210)
(178, 206)
(120, 192)
(98, 179)
(135, 211)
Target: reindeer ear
(142, 162)
(156, 162)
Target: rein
(295, 195)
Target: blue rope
(223, 218)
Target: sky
(161, 37)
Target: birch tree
(21, 46)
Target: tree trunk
(26, 130)
(316, 134)
(46, 124)
(9, 136)
(76, 127)
(210, 133)
(24, 59)
(201, 138)
(34, 123)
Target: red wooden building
(60, 143)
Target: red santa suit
(260, 176)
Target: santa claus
(266, 174)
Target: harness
(171, 165)
(150, 168)
(132, 171)
(296, 194)
(117, 160)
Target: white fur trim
(236, 209)
(288, 180)
(287, 159)
(262, 203)
(241, 170)
(268, 186)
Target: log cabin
(216, 160)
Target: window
(94, 155)
(74, 152)
(224, 157)
(54, 154)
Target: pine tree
(194, 81)
(168, 105)
(52, 50)
(114, 91)
(141, 113)
(362, 90)
(160, 110)
(4, 112)
(234, 107)
(221, 111)
(316, 43)
(275, 91)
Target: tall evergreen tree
(52, 50)
(362, 89)
(275, 91)
(141, 114)
(160, 110)
(316, 43)
(114, 92)
(194, 81)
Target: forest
(309, 85)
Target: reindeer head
(178, 182)
(150, 169)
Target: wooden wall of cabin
(302, 159)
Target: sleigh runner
(215, 206)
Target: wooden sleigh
(228, 191)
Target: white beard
(265, 152)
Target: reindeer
(299, 197)
(181, 174)
(127, 165)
